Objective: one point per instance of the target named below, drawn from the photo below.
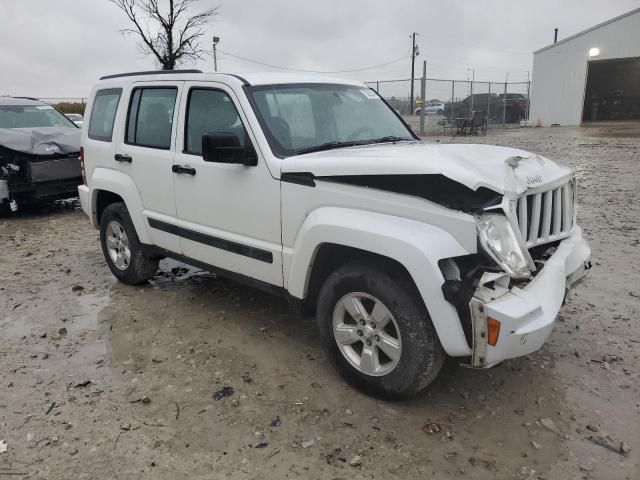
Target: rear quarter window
(103, 114)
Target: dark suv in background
(513, 106)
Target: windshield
(32, 116)
(311, 117)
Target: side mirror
(226, 148)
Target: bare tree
(171, 35)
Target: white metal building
(591, 76)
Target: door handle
(119, 157)
(183, 169)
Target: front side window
(150, 117)
(103, 114)
(308, 117)
(210, 111)
(32, 116)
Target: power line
(311, 71)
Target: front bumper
(527, 314)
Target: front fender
(121, 184)
(417, 246)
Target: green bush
(71, 107)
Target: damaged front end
(531, 253)
(37, 166)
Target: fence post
(504, 105)
(471, 90)
(423, 94)
(488, 103)
(528, 100)
(377, 86)
(453, 88)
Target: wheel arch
(329, 256)
(109, 186)
(412, 246)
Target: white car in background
(432, 107)
(75, 118)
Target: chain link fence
(447, 100)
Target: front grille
(546, 216)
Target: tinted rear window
(150, 118)
(103, 114)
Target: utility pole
(423, 94)
(215, 54)
(473, 79)
(414, 54)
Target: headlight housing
(498, 239)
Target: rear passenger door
(146, 150)
(228, 214)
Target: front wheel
(377, 332)
(122, 249)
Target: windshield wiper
(390, 138)
(353, 143)
(328, 146)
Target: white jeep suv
(315, 189)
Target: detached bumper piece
(508, 323)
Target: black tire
(140, 268)
(440, 112)
(422, 356)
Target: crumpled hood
(501, 169)
(41, 140)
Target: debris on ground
(308, 443)
(246, 377)
(262, 445)
(77, 288)
(51, 407)
(431, 428)
(3, 446)
(222, 393)
(84, 383)
(621, 448)
(275, 421)
(550, 425)
(355, 461)
(336, 454)
(143, 399)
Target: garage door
(613, 90)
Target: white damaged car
(315, 189)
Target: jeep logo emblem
(532, 180)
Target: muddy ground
(100, 380)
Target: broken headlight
(498, 239)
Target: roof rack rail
(25, 98)
(149, 72)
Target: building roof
(591, 29)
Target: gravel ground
(101, 380)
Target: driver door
(228, 214)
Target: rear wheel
(122, 249)
(377, 332)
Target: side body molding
(416, 245)
(120, 184)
